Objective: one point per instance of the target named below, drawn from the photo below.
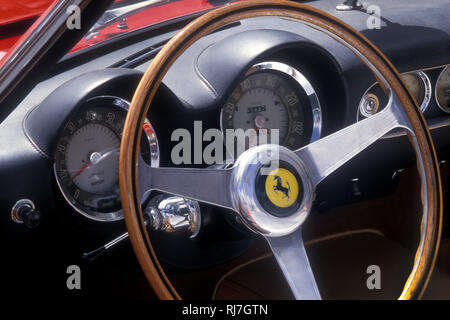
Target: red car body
(15, 11)
(17, 17)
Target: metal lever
(90, 256)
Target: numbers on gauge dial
(96, 168)
(87, 159)
(265, 101)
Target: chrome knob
(172, 213)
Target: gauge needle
(87, 165)
(98, 157)
(95, 158)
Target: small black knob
(30, 217)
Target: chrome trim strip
(430, 68)
(423, 105)
(35, 46)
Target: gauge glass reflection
(443, 90)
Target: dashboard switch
(24, 212)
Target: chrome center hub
(271, 190)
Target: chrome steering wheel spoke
(324, 156)
(204, 185)
(234, 188)
(291, 256)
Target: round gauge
(272, 96)
(87, 157)
(443, 90)
(420, 86)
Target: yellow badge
(282, 188)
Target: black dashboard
(323, 83)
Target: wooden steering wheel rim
(430, 227)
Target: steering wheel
(241, 187)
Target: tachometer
(87, 157)
(420, 86)
(271, 96)
(443, 90)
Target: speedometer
(273, 96)
(443, 90)
(87, 157)
(90, 165)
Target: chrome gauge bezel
(299, 80)
(154, 162)
(423, 105)
(445, 109)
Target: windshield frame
(47, 40)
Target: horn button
(280, 192)
(271, 190)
